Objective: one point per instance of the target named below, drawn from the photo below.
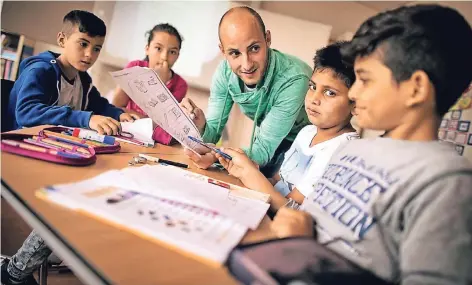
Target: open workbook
(169, 204)
(146, 89)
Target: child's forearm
(257, 181)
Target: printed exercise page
(202, 232)
(147, 90)
(179, 185)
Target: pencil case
(100, 148)
(34, 147)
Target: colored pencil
(61, 144)
(39, 149)
(42, 144)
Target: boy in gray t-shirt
(399, 206)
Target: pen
(225, 155)
(160, 160)
(71, 142)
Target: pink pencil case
(34, 148)
(98, 149)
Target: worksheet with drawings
(147, 90)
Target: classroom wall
(39, 20)
(343, 16)
(129, 21)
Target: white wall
(343, 16)
(39, 20)
(198, 23)
(290, 35)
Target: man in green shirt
(268, 86)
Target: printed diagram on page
(140, 86)
(152, 81)
(146, 89)
(171, 214)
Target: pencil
(39, 149)
(60, 144)
(58, 148)
(28, 146)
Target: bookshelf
(15, 48)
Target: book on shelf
(15, 48)
(7, 70)
(9, 54)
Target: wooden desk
(97, 252)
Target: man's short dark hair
(86, 22)
(432, 38)
(330, 58)
(248, 9)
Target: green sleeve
(219, 106)
(279, 120)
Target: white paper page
(147, 90)
(141, 129)
(236, 190)
(177, 184)
(197, 230)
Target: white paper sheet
(147, 90)
(202, 232)
(181, 185)
(141, 129)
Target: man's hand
(164, 72)
(104, 125)
(195, 113)
(129, 117)
(290, 223)
(202, 161)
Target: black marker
(160, 160)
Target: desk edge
(81, 267)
